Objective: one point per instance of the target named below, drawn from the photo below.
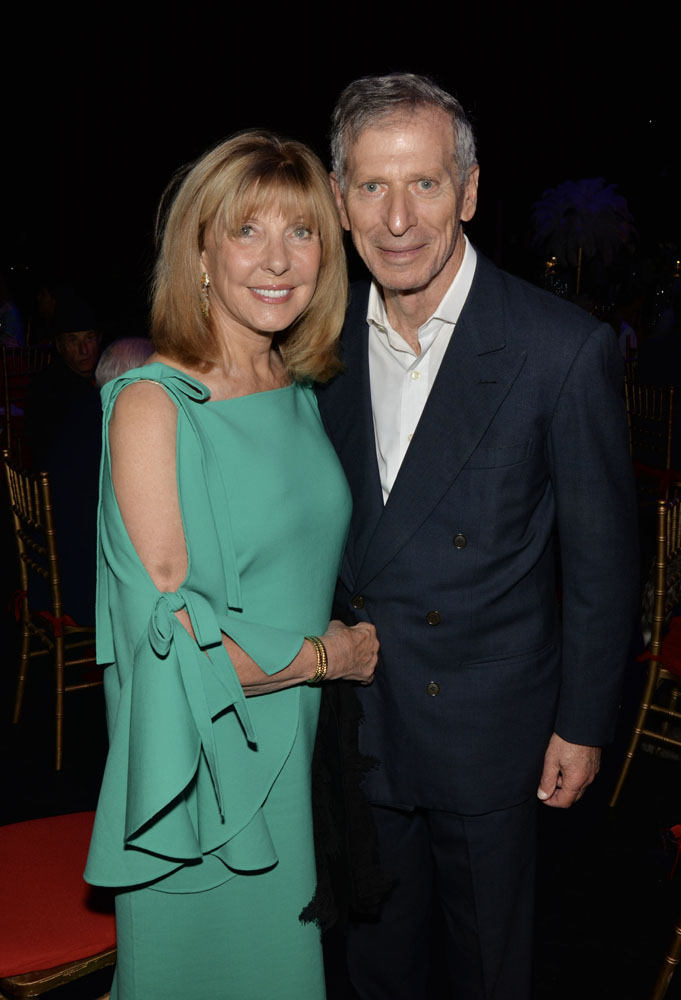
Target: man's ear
(470, 194)
(338, 195)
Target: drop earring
(205, 301)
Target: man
(63, 430)
(57, 389)
(479, 420)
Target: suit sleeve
(597, 525)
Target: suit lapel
(346, 408)
(477, 371)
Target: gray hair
(368, 101)
(120, 356)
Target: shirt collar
(451, 304)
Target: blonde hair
(248, 173)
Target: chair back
(661, 665)
(46, 630)
(650, 414)
(31, 509)
(631, 369)
(651, 423)
(667, 568)
(19, 365)
(667, 576)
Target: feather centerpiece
(586, 215)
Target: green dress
(204, 816)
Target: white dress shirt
(400, 379)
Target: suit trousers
(481, 870)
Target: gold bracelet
(322, 659)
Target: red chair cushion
(669, 656)
(49, 916)
(665, 477)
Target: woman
(223, 517)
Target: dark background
(99, 111)
(97, 118)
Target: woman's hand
(351, 654)
(352, 651)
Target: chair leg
(23, 670)
(651, 683)
(59, 699)
(668, 966)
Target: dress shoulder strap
(182, 387)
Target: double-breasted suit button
(460, 541)
(433, 618)
(432, 688)
(357, 602)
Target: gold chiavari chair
(668, 965)
(46, 631)
(663, 681)
(631, 369)
(650, 420)
(19, 365)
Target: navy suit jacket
(520, 454)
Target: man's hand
(569, 768)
